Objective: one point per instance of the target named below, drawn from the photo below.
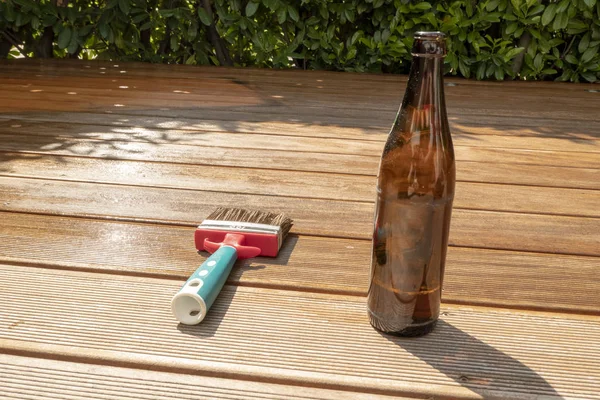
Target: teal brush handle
(198, 294)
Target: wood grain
(24, 378)
(77, 68)
(300, 184)
(567, 132)
(495, 230)
(300, 338)
(548, 169)
(326, 94)
(469, 143)
(105, 170)
(473, 276)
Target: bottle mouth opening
(429, 44)
(436, 35)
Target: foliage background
(492, 39)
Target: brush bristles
(257, 217)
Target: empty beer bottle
(414, 201)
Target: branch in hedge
(14, 43)
(44, 48)
(524, 41)
(214, 38)
(5, 47)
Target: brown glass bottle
(414, 201)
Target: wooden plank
(328, 265)
(461, 95)
(343, 187)
(25, 378)
(469, 143)
(75, 68)
(253, 109)
(466, 125)
(482, 229)
(333, 94)
(473, 164)
(299, 338)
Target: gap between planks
(253, 334)
(473, 276)
(500, 230)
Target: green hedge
(493, 39)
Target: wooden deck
(106, 169)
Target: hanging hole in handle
(195, 284)
(194, 313)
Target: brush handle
(198, 294)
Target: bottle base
(409, 331)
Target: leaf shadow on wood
(474, 364)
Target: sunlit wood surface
(105, 170)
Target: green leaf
(124, 6)
(349, 15)
(385, 35)
(74, 45)
(191, 60)
(499, 74)
(192, 31)
(584, 43)
(511, 28)
(313, 20)
(516, 4)
(294, 14)
(535, 33)
(519, 32)
(86, 30)
(536, 10)
(589, 54)
(464, 69)
(174, 43)
(560, 22)
(562, 6)
(35, 22)
(549, 71)
(204, 17)
(351, 53)
(139, 18)
(577, 24)
(549, 14)
(64, 38)
(589, 76)
(590, 3)
(377, 37)
(422, 6)
(570, 58)
(538, 62)
(491, 5)
(103, 28)
(251, 8)
(281, 15)
(513, 52)
(480, 72)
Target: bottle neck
(426, 84)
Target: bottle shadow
(475, 365)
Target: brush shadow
(474, 364)
(209, 326)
